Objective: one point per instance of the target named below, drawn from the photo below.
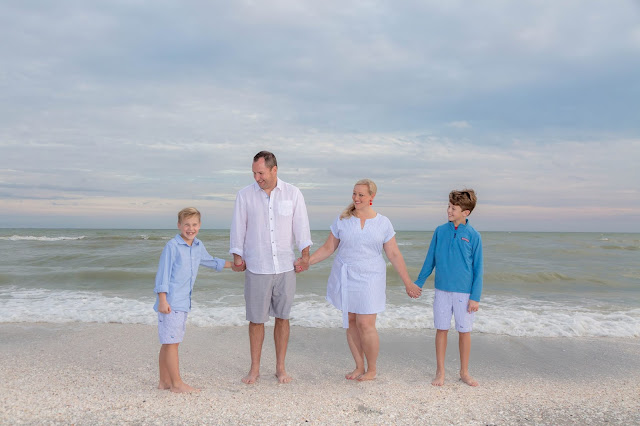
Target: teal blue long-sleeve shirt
(456, 254)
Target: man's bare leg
(256, 337)
(169, 356)
(441, 351)
(370, 343)
(281, 339)
(464, 342)
(355, 345)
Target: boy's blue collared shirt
(456, 254)
(178, 269)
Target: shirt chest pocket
(285, 208)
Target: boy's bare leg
(165, 379)
(281, 338)
(464, 342)
(256, 337)
(355, 345)
(441, 351)
(370, 343)
(173, 367)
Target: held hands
(238, 268)
(413, 290)
(473, 306)
(301, 264)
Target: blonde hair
(187, 212)
(351, 208)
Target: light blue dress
(358, 278)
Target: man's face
(266, 178)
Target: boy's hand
(238, 268)
(473, 306)
(164, 307)
(413, 290)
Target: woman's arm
(395, 257)
(326, 250)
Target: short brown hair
(269, 159)
(187, 212)
(465, 198)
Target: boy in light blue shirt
(456, 254)
(176, 275)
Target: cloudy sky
(119, 113)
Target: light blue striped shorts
(447, 303)
(171, 327)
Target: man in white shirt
(269, 218)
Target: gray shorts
(171, 327)
(447, 303)
(268, 295)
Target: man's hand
(238, 268)
(302, 264)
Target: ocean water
(535, 284)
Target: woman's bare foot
(468, 379)
(354, 374)
(184, 388)
(439, 379)
(369, 375)
(251, 378)
(164, 386)
(283, 377)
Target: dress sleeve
(389, 232)
(336, 228)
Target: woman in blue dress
(358, 278)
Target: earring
(370, 202)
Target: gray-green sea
(535, 284)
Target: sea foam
(498, 315)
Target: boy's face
(456, 214)
(189, 228)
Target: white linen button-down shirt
(265, 228)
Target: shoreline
(88, 373)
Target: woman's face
(361, 197)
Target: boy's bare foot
(164, 386)
(439, 379)
(354, 374)
(184, 388)
(250, 378)
(468, 379)
(369, 375)
(283, 377)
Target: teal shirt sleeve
(429, 262)
(478, 270)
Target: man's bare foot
(369, 375)
(439, 379)
(250, 378)
(164, 386)
(184, 388)
(283, 377)
(468, 379)
(354, 374)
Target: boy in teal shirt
(456, 254)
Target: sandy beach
(85, 373)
